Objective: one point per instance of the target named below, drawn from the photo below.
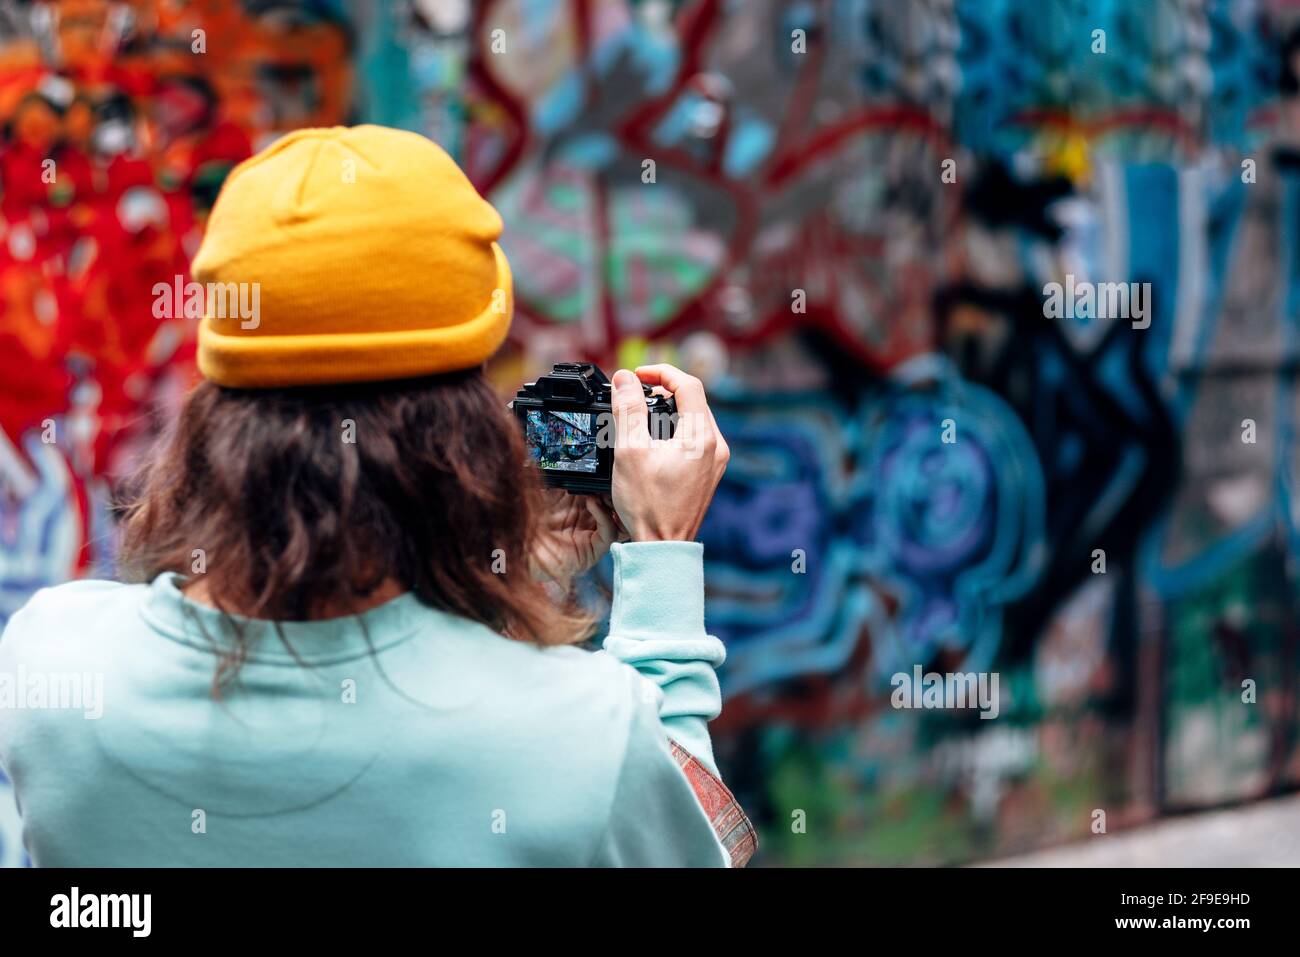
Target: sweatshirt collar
(323, 641)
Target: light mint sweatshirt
(435, 741)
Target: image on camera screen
(562, 441)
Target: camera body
(568, 425)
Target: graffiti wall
(996, 299)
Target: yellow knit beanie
(367, 254)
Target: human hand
(663, 487)
(576, 532)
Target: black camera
(568, 425)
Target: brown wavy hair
(306, 500)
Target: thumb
(605, 529)
(631, 415)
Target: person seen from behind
(338, 639)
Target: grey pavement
(1264, 834)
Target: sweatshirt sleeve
(655, 819)
(657, 626)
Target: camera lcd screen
(562, 441)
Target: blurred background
(852, 212)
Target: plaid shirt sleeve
(730, 823)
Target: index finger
(686, 389)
